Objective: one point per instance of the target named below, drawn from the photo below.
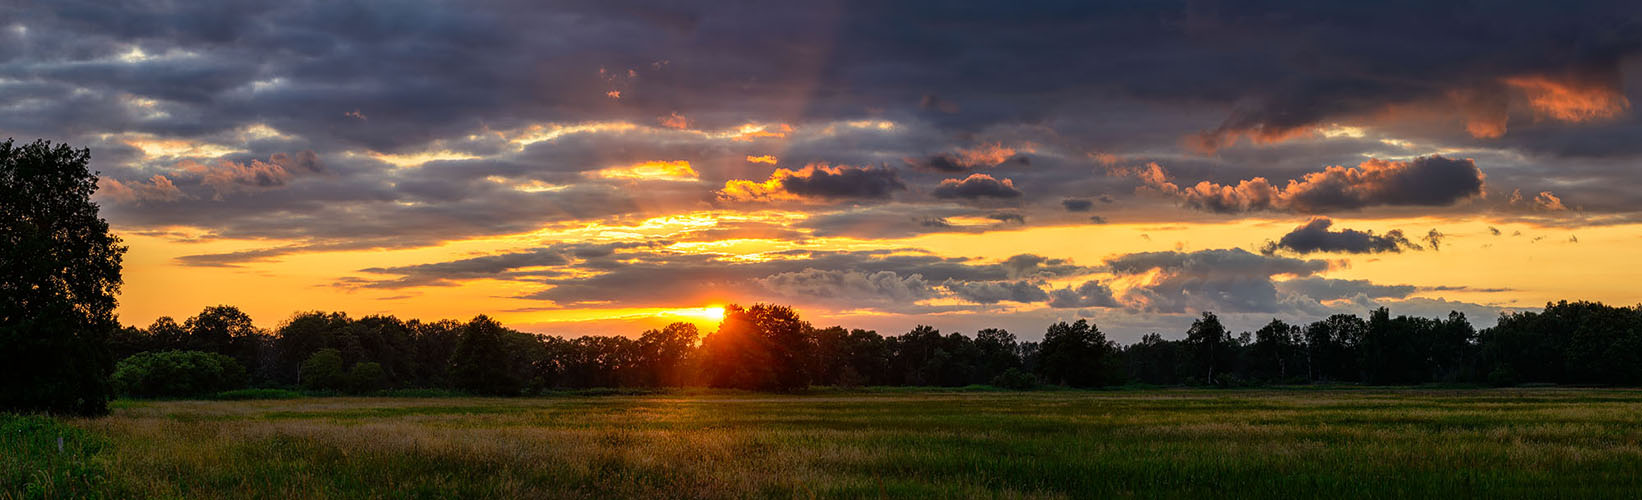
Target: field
(1053, 444)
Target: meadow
(1352, 442)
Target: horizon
(579, 170)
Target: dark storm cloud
(845, 183)
(1315, 236)
(1077, 205)
(1007, 217)
(342, 79)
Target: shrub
(247, 394)
(177, 374)
(1016, 379)
(323, 371)
(367, 377)
(423, 393)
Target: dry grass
(1512, 443)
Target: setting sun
(709, 314)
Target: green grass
(1350, 442)
(34, 465)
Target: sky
(604, 167)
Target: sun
(712, 314)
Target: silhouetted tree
(482, 363)
(762, 347)
(228, 331)
(850, 357)
(1077, 355)
(59, 274)
(1211, 346)
(1154, 360)
(664, 354)
(998, 352)
(1331, 347)
(1276, 353)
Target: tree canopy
(59, 274)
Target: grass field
(1181, 443)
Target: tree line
(769, 347)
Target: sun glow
(712, 314)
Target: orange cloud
(158, 188)
(674, 170)
(815, 182)
(1424, 181)
(674, 120)
(1570, 100)
(1542, 201)
(226, 177)
(1225, 136)
(985, 154)
(767, 159)
(752, 131)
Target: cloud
(992, 292)
(1077, 205)
(964, 159)
(1208, 280)
(1318, 288)
(650, 274)
(1434, 238)
(820, 182)
(158, 188)
(1424, 181)
(226, 177)
(1089, 294)
(1570, 100)
(674, 120)
(1545, 201)
(848, 286)
(1007, 217)
(674, 170)
(977, 186)
(1315, 236)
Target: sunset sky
(605, 167)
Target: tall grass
(42, 458)
(1057, 444)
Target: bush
(422, 393)
(1016, 379)
(323, 371)
(1503, 376)
(367, 377)
(248, 394)
(177, 374)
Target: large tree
(59, 274)
(761, 348)
(1078, 355)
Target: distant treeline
(768, 347)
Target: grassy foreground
(1354, 443)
